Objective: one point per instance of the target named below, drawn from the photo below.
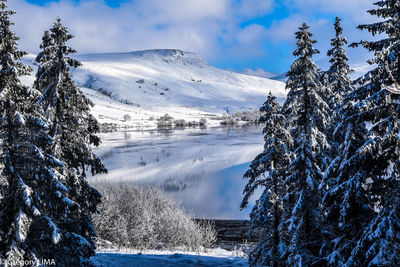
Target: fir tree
(338, 81)
(65, 105)
(72, 127)
(35, 202)
(380, 153)
(308, 116)
(346, 203)
(338, 73)
(268, 170)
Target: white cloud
(212, 28)
(356, 8)
(251, 34)
(259, 72)
(283, 30)
(197, 26)
(251, 8)
(315, 13)
(183, 10)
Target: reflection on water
(202, 168)
(217, 196)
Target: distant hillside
(146, 84)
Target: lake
(201, 168)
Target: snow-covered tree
(35, 203)
(380, 153)
(345, 203)
(337, 80)
(267, 171)
(379, 244)
(72, 126)
(66, 107)
(308, 116)
(338, 73)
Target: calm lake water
(201, 168)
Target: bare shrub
(181, 123)
(230, 120)
(127, 117)
(248, 116)
(241, 116)
(193, 123)
(165, 121)
(145, 217)
(203, 122)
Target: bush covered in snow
(230, 120)
(165, 121)
(248, 115)
(240, 116)
(127, 117)
(145, 217)
(168, 121)
(181, 123)
(108, 127)
(203, 122)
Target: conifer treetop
(269, 108)
(387, 49)
(55, 61)
(54, 41)
(337, 53)
(305, 42)
(304, 63)
(9, 53)
(339, 71)
(65, 104)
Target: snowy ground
(216, 257)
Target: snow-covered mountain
(147, 84)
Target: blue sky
(253, 36)
(110, 3)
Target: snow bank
(216, 257)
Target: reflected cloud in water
(201, 168)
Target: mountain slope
(150, 83)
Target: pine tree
(338, 73)
(378, 242)
(346, 203)
(308, 116)
(267, 171)
(35, 202)
(66, 106)
(72, 127)
(338, 81)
